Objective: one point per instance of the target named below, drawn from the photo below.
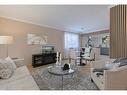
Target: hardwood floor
(83, 69)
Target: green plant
(90, 42)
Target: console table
(43, 59)
(104, 51)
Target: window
(71, 40)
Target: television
(48, 49)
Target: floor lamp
(6, 40)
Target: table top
(57, 70)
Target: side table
(57, 71)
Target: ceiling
(72, 18)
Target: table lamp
(6, 40)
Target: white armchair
(89, 55)
(111, 79)
(73, 56)
(87, 52)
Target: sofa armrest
(19, 64)
(98, 64)
(101, 63)
(115, 79)
(91, 70)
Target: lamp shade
(6, 39)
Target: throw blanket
(99, 71)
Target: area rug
(46, 81)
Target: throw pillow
(117, 60)
(107, 66)
(112, 66)
(11, 62)
(6, 69)
(115, 66)
(123, 61)
(123, 64)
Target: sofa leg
(91, 80)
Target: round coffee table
(57, 70)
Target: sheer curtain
(71, 40)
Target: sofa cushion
(11, 62)
(18, 73)
(25, 83)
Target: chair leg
(69, 60)
(75, 62)
(92, 80)
(86, 62)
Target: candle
(60, 58)
(57, 58)
(57, 54)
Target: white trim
(41, 25)
(29, 22)
(96, 30)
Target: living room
(63, 52)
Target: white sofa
(20, 80)
(111, 79)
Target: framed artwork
(33, 39)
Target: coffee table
(57, 71)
